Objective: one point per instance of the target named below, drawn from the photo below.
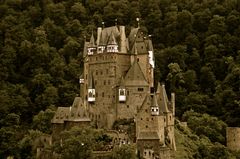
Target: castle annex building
(118, 83)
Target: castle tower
(150, 129)
(91, 47)
(117, 83)
(165, 106)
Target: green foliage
(204, 124)
(42, 121)
(196, 51)
(80, 142)
(124, 152)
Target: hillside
(196, 47)
(191, 146)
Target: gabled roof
(148, 135)
(75, 113)
(137, 42)
(106, 33)
(132, 37)
(162, 98)
(135, 76)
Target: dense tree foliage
(80, 143)
(196, 44)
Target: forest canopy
(196, 42)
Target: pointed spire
(112, 39)
(158, 88)
(162, 97)
(154, 101)
(92, 41)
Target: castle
(118, 83)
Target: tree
(80, 142)
(175, 76)
(124, 152)
(9, 135)
(42, 121)
(204, 124)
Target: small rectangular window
(102, 94)
(140, 89)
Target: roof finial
(103, 24)
(116, 20)
(137, 19)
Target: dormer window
(91, 95)
(91, 50)
(101, 49)
(112, 48)
(122, 95)
(154, 110)
(81, 80)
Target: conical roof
(162, 98)
(112, 39)
(154, 102)
(92, 41)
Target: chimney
(123, 44)
(99, 31)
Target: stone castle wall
(233, 138)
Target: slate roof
(162, 98)
(75, 113)
(61, 114)
(148, 135)
(106, 32)
(135, 76)
(92, 42)
(132, 36)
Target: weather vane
(103, 24)
(137, 19)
